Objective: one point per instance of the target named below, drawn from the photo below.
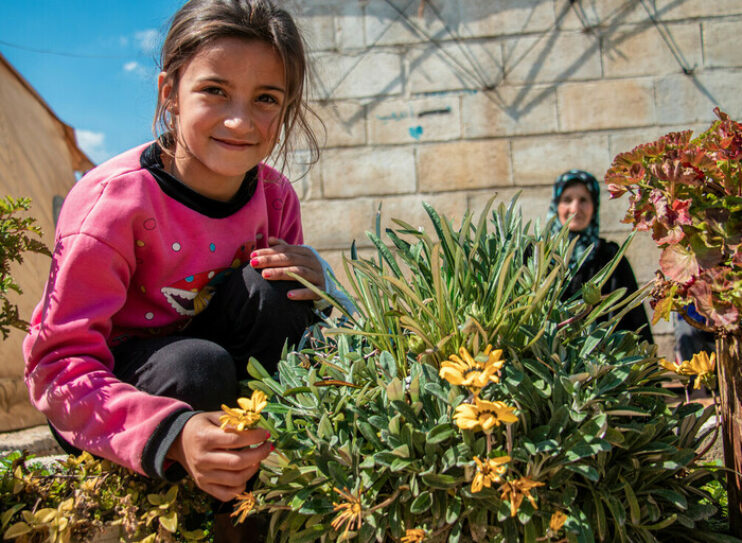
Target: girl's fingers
(301, 294)
(280, 259)
(221, 492)
(283, 255)
(230, 438)
(235, 460)
(231, 478)
(282, 274)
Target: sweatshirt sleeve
(69, 364)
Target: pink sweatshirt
(134, 248)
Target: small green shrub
(75, 500)
(373, 445)
(17, 236)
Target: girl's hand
(219, 461)
(280, 258)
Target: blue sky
(94, 63)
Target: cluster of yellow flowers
(242, 418)
(475, 373)
(701, 365)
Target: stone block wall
(451, 101)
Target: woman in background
(576, 196)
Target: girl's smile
(228, 106)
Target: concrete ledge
(37, 440)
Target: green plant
(81, 496)
(16, 237)
(402, 423)
(688, 192)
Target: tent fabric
(38, 159)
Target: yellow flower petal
(558, 518)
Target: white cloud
(134, 67)
(147, 40)
(93, 144)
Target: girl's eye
(214, 90)
(267, 99)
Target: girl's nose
(238, 118)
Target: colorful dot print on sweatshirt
(192, 294)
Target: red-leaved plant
(688, 192)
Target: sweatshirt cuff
(155, 450)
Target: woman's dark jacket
(622, 277)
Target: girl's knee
(205, 376)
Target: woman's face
(577, 203)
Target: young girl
(171, 261)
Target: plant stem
(389, 500)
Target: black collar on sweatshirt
(216, 209)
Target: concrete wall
(450, 101)
(37, 160)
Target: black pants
(247, 317)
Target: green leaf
(395, 390)
(17, 530)
(453, 509)
(405, 410)
(7, 515)
(338, 474)
(399, 464)
(661, 525)
(436, 390)
(256, 370)
(675, 498)
(324, 428)
(421, 504)
(441, 432)
(634, 509)
(587, 471)
(169, 521)
(369, 433)
(440, 480)
(585, 447)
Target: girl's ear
(165, 91)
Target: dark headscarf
(590, 235)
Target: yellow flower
(558, 518)
(245, 504)
(413, 535)
(467, 371)
(248, 415)
(350, 511)
(489, 472)
(483, 414)
(681, 368)
(701, 365)
(515, 491)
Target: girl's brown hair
(200, 22)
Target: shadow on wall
(453, 39)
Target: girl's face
(577, 203)
(227, 107)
